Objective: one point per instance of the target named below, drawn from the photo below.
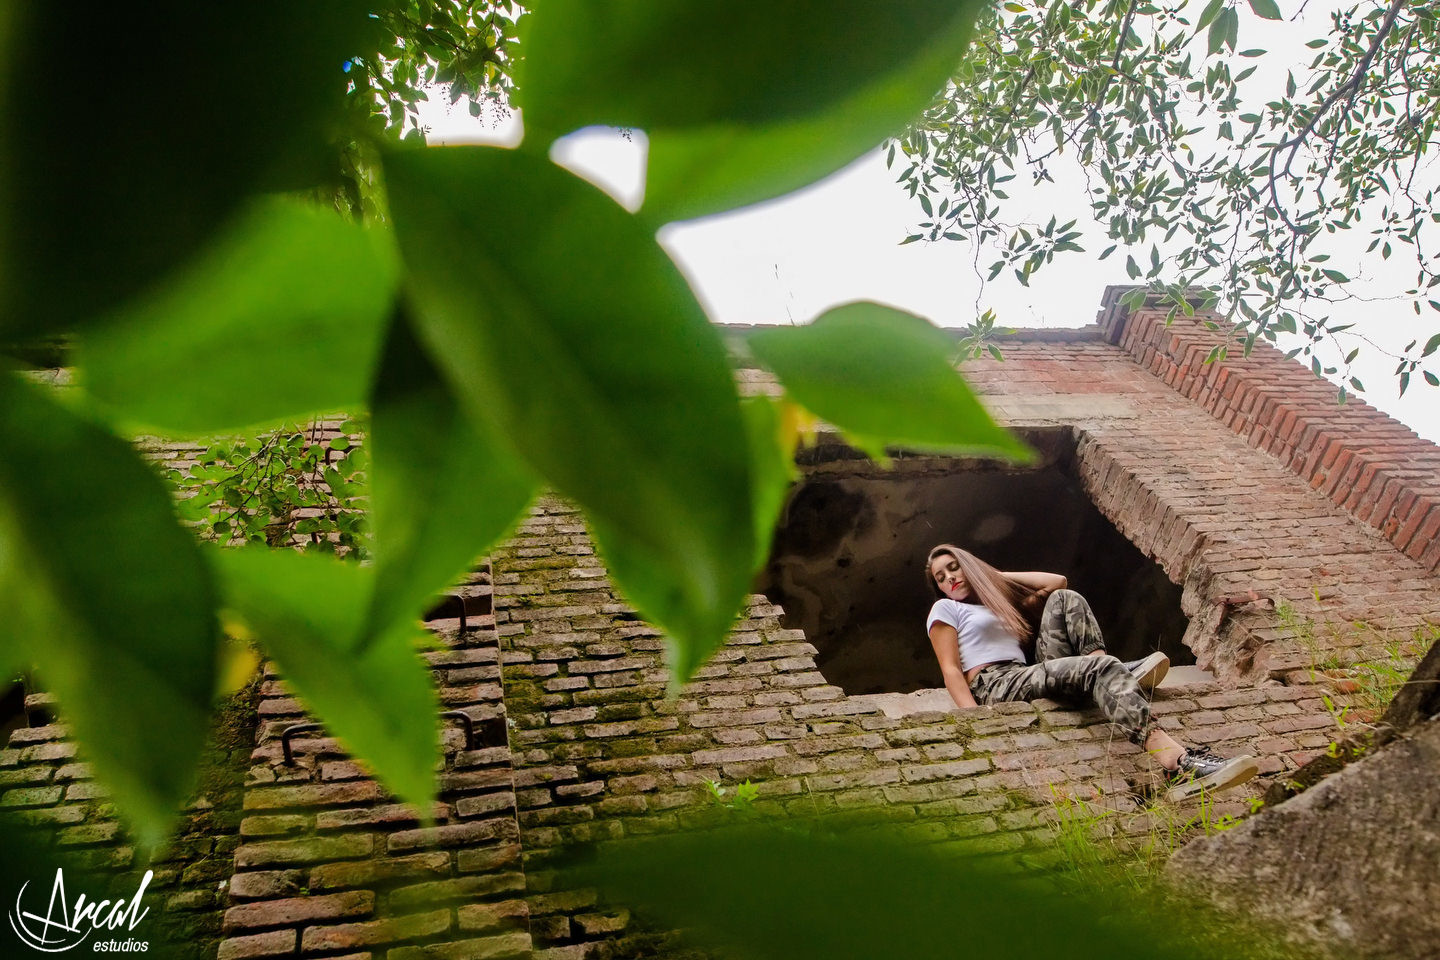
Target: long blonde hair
(1001, 595)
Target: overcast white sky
(789, 260)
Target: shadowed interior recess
(849, 557)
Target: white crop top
(983, 638)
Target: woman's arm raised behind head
(1036, 580)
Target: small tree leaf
(1208, 15)
(581, 343)
(884, 377)
(307, 611)
(281, 319)
(1266, 9)
(444, 489)
(1220, 30)
(106, 594)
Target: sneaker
(1149, 671)
(1202, 770)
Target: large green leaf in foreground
(281, 318)
(184, 110)
(788, 895)
(772, 468)
(571, 331)
(737, 110)
(884, 377)
(105, 593)
(307, 611)
(444, 488)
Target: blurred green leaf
(884, 378)
(735, 109)
(787, 894)
(307, 611)
(581, 342)
(282, 318)
(772, 468)
(94, 218)
(444, 488)
(105, 593)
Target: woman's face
(946, 571)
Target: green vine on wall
(289, 487)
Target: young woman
(986, 620)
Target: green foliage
(1251, 192)
(779, 890)
(611, 384)
(531, 333)
(773, 437)
(1366, 665)
(862, 367)
(217, 351)
(106, 595)
(1124, 853)
(1098, 845)
(309, 613)
(445, 488)
(289, 487)
(740, 799)
(458, 48)
(775, 96)
(92, 220)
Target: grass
(1124, 852)
(1368, 683)
(1095, 841)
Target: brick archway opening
(848, 561)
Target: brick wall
(329, 864)
(1221, 516)
(1237, 496)
(47, 792)
(1354, 455)
(601, 754)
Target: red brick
(389, 930)
(312, 795)
(274, 944)
(367, 873)
(504, 945)
(917, 773)
(297, 910)
(266, 884)
(304, 850)
(457, 834)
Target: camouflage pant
(1062, 671)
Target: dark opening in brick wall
(848, 560)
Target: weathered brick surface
(1244, 482)
(601, 755)
(342, 866)
(1373, 467)
(45, 790)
